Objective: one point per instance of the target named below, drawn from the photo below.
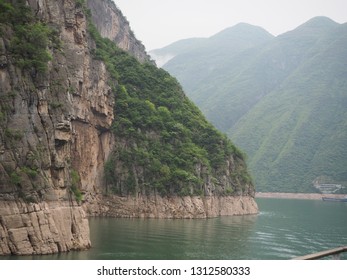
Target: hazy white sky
(158, 23)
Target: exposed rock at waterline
(187, 207)
(42, 228)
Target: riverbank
(175, 207)
(310, 196)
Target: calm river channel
(284, 228)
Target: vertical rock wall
(57, 125)
(111, 24)
(42, 228)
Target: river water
(283, 229)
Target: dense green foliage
(30, 38)
(283, 101)
(164, 143)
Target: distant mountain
(282, 99)
(194, 54)
(216, 59)
(162, 56)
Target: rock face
(55, 136)
(55, 125)
(187, 207)
(42, 228)
(111, 24)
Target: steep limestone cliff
(59, 127)
(54, 134)
(42, 228)
(111, 24)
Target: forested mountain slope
(283, 101)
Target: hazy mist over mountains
(281, 99)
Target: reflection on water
(171, 239)
(282, 230)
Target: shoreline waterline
(308, 196)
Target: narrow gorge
(89, 126)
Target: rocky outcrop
(42, 228)
(187, 207)
(111, 24)
(54, 137)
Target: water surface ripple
(282, 230)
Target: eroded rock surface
(42, 228)
(187, 207)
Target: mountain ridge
(206, 46)
(249, 96)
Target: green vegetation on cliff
(27, 45)
(163, 142)
(30, 38)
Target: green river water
(283, 229)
